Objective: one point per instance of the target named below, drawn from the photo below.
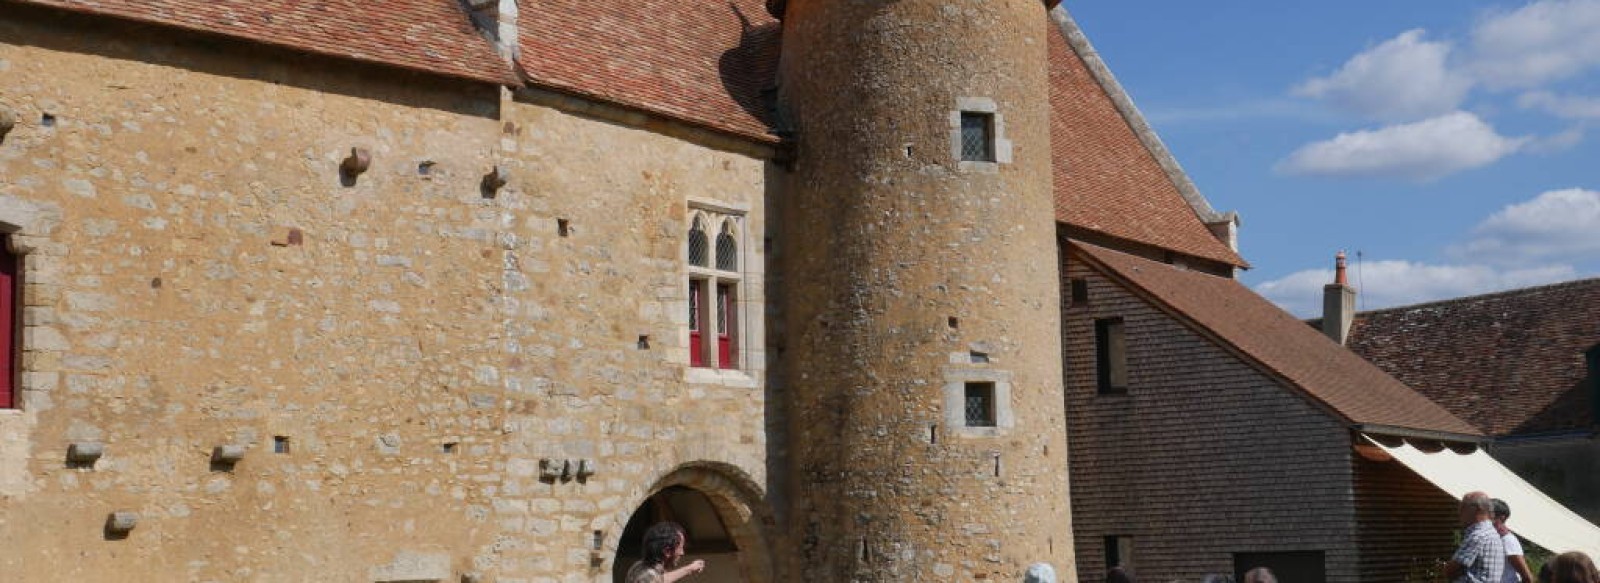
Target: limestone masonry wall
(925, 273)
(421, 348)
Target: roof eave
(1413, 433)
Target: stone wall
(199, 273)
(921, 271)
(1203, 457)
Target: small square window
(1080, 291)
(980, 405)
(977, 136)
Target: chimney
(1338, 304)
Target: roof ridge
(1483, 296)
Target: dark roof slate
(1509, 362)
(1224, 308)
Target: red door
(725, 314)
(697, 349)
(8, 326)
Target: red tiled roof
(1277, 341)
(1106, 180)
(703, 62)
(1510, 362)
(433, 36)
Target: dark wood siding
(1203, 457)
(1404, 523)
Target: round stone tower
(921, 341)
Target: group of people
(1491, 553)
(1256, 575)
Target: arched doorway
(708, 538)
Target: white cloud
(1567, 106)
(1423, 150)
(1405, 77)
(1540, 42)
(1394, 283)
(1556, 225)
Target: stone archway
(722, 510)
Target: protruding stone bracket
(226, 456)
(120, 523)
(355, 165)
(84, 453)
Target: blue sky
(1454, 144)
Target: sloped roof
(1112, 176)
(1280, 343)
(432, 36)
(1509, 362)
(703, 62)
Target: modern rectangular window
(10, 307)
(714, 279)
(980, 405)
(977, 136)
(1111, 356)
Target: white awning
(1534, 516)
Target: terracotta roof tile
(1325, 371)
(1105, 179)
(699, 61)
(1509, 362)
(433, 36)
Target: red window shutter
(725, 315)
(697, 352)
(8, 326)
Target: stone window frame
(1002, 146)
(40, 345)
(742, 277)
(955, 395)
(37, 344)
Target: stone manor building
(475, 290)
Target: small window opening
(866, 551)
(644, 342)
(980, 404)
(977, 136)
(1119, 551)
(727, 249)
(280, 444)
(978, 357)
(1111, 358)
(425, 168)
(997, 465)
(933, 434)
(1080, 291)
(48, 120)
(699, 248)
(448, 447)
(953, 322)
(599, 539)
(563, 227)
